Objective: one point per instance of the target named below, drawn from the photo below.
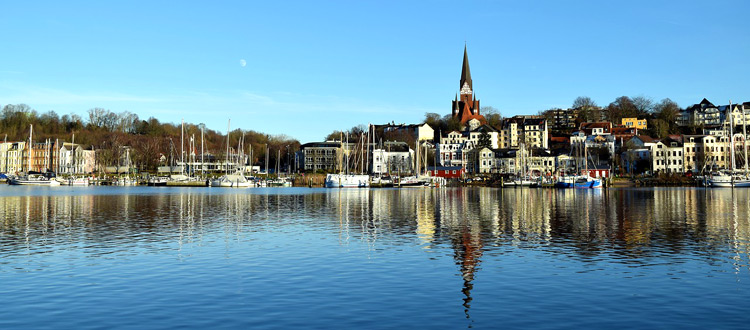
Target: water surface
(162, 257)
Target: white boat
(34, 180)
(410, 181)
(231, 180)
(726, 180)
(521, 182)
(124, 181)
(280, 182)
(567, 181)
(157, 181)
(74, 181)
(586, 181)
(347, 181)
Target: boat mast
(202, 163)
(226, 166)
(182, 147)
(192, 155)
(31, 132)
(731, 136)
(744, 137)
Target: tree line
(107, 132)
(661, 116)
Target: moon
(243, 63)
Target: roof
(466, 116)
(327, 144)
(485, 128)
(559, 139)
(669, 141)
(600, 124)
(646, 138)
(623, 130)
(523, 120)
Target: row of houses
(65, 158)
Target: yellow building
(634, 123)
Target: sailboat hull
(347, 181)
(593, 183)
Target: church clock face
(465, 89)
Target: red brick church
(466, 108)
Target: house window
(454, 171)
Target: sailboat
(729, 179)
(586, 181)
(346, 180)
(523, 176)
(234, 180)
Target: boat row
(366, 181)
(570, 181)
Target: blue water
(280, 258)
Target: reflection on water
(632, 227)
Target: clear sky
(307, 68)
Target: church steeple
(466, 105)
(465, 73)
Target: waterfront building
(448, 172)
(667, 156)
(321, 156)
(465, 107)
(513, 161)
(541, 162)
(74, 159)
(531, 131)
(565, 164)
(636, 160)
(41, 156)
(393, 158)
(634, 123)
(483, 160)
(12, 156)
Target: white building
(75, 160)
(667, 156)
(393, 159)
(11, 157)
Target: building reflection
(629, 225)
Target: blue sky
(314, 67)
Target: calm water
(147, 257)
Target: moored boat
(727, 180)
(347, 181)
(568, 181)
(34, 180)
(74, 181)
(586, 182)
(231, 181)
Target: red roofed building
(466, 107)
(596, 128)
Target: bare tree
(643, 105)
(492, 115)
(588, 110)
(622, 107)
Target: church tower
(466, 107)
